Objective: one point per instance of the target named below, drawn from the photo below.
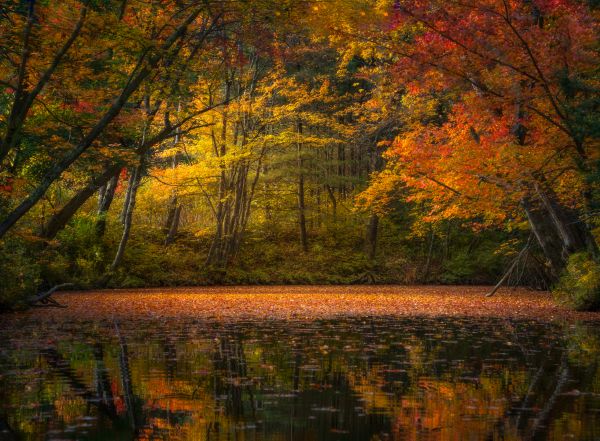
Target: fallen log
(45, 299)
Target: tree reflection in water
(365, 378)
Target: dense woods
(186, 142)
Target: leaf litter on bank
(306, 302)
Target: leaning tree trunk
(558, 229)
(133, 83)
(545, 233)
(573, 232)
(58, 221)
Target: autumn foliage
(239, 138)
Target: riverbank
(306, 302)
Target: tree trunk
(429, 255)
(341, 153)
(220, 149)
(128, 214)
(57, 169)
(170, 213)
(131, 172)
(106, 201)
(545, 233)
(174, 226)
(301, 203)
(333, 201)
(372, 230)
(23, 100)
(62, 217)
(573, 232)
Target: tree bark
(131, 172)
(572, 230)
(429, 255)
(333, 202)
(106, 201)
(128, 214)
(172, 208)
(174, 226)
(24, 100)
(372, 230)
(301, 202)
(58, 221)
(545, 233)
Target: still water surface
(344, 378)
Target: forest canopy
(186, 142)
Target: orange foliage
(301, 302)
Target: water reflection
(346, 379)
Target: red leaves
(6, 185)
(495, 69)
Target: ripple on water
(346, 377)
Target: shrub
(579, 285)
(19, 275)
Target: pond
(287, 364)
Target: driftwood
(45, 299)
(511, 269)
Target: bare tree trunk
(544, 232)
(173, 202)
(174, 226)
(341, 157)
(105, 203)
(172, 208)
(245, 214)
(372, 230)
(429, 255)
(58, 221)
(135, 80)
(572, 230)
(128, 213)
(127, 195)
(220, 147)
(333, 201)
(23, 99)
(301, 203)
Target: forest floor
(305, 302)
